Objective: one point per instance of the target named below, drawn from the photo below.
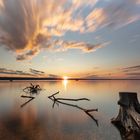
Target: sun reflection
(65, 82)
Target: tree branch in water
(30, 99)
(58, 100)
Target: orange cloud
(28, 26)
(95, 19)
(25, 25)
(85, 47)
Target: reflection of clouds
(21, 125)
(28, 124)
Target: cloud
(94, 76)
(21, 26)
(131, 71)
(134, 74)
(95, 19)
(116, 14)
(14, 72)
(28, 55)
(137, 1)
(53, 76)
(132, 68)
(29, 26)
(85, 47)
(30, 73)
(79, 3)
(36, 71)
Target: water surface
(37, 120)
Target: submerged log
(128, 119)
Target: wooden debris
(32, 89)
(58, 100)
(30, 99)
(27, 96)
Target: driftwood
(58, 100)
(32, 89)
(30, 99)
(128, 119)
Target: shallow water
(37, 120)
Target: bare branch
(27, 97)
(53, 94)
(73, 99)
(57, 100)
(31, 98)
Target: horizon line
(49, 78)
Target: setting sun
(65, 77)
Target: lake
(38, 120)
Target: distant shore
(53, 79)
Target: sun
(65, 77)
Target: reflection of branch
(31, 98)
(87, 111)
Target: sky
(74, 38)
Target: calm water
(37, 120)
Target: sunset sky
(74, 38)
